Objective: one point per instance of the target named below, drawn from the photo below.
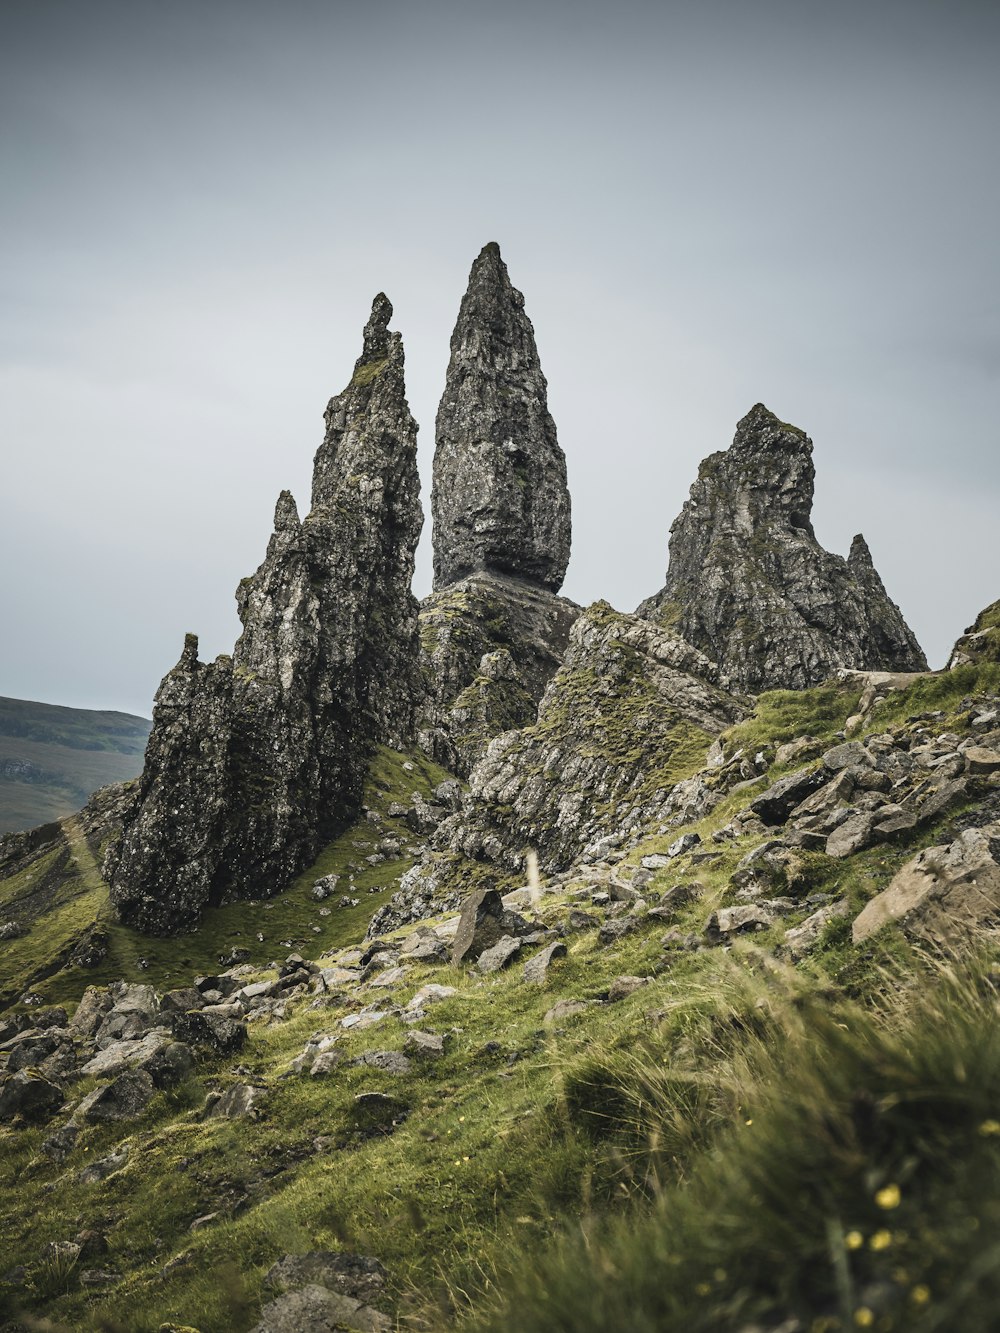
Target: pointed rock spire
(500, 500)
(256, 760)
(749, 584)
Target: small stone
(424, 1043)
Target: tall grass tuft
(790, 1158)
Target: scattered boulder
(220, 1027)
(943, 894)
(800, 939)
(123, 1099)
(424, 1043)
(622, 987)
(730, 921)
(483, 922)
(356, 1275)
(316, 1309)
(30, 1097)
(503, 952)
(236, 1103)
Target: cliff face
(256, 760)
(489, 645)
(749, 584)
(500, 500)
(630, 713)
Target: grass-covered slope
(53, 758)
(703, 1138)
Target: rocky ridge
(255, 760)
(500, 500)
(749, 584)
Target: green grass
(80, 902)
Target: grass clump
(849, 1178)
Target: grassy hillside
(52, 758)
(706, 1139)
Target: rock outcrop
(749, 584)
(256, 760)
(500, 500)
(981, 641)
(489, 645)
(630, 713)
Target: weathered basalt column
(499, 500)
(256, 760)
(749, 584)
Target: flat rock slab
(358, 1276)
(503, 952)
(315, 1309)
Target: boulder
(483, 922)
(536, 969)
(123, 1099)
(943, 894)
(30, 1097)
(316, 1309)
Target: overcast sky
(706, 204)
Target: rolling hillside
(52, 758)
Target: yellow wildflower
(990, 1128)
(889, 1197)
(920, 1294)
(863, 1317)
(854, 1240)
(881, 1240)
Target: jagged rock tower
(494, 631)
(256, 760)
(749, 584)
(500, 500)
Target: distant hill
(52, 758)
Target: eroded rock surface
(749, 584)
(256, 760)
(489, 645)
(500, 500)
(631, 712)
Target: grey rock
(944, 894)
(847, 755)
(256, 760)
(937, 802)
(729, 921)
(536, 969)
(610, 720)
(29, 1096)
(751, 587)
(499, 955)
(777, 803)
(685, 843)
(123, 1099)
(483, 922)
(427, 1044)
(316, 1309)
(980, 642)
(236, 1103)
(853, 835)
(390, 1062)
(499, 499)
(565, 1009)
(805, 936)
(980, 760)
(104, 1166)
(359, 1276)
(624, 986)
(218, 1026)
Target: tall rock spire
(749, 584)
(500, 500)
(256, 760)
